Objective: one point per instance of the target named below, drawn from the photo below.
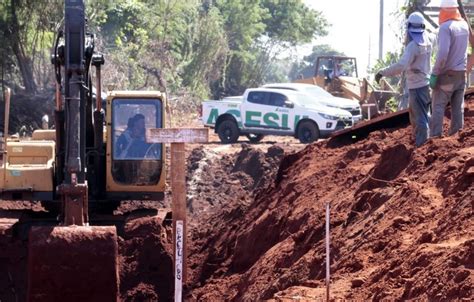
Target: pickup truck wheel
(228, 132)
(254, 138)
(308, 132)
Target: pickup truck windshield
(317, 92)
(302, 99)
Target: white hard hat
(449, 3)
(416, 22)
(416, 18)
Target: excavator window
(134, 161)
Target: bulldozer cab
(332, 72)
(329, 68)
(134, 166)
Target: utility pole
(381, 31)
(370, 54)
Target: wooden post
(178, 191)
(328, 257)
(177, 138)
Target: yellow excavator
(93, 159)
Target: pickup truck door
(265, 110)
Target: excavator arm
(74, 261)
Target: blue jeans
(419, 100)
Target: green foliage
(389, 59)
(27, 27)
(258, 31)
(392, 104)
(209, 49)
(196, 47)
(293, 22)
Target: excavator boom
(73, 261)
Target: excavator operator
(131, 143)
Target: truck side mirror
(289, 104)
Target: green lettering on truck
(270, 119)
(284, 121)
(235, 113)
(212, 116)
(248, 118)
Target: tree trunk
(24, 62)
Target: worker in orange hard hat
(415, 61)
(448, 78)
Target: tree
(257, 34)
(198, 47)
(28, 36)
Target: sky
(356, 22)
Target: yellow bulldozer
(339, 76)
(92, 160)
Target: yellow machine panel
(28, 166)
(49, 135)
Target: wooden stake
(177, 138)
(328, 258)
(178, 185)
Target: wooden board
(177, 135)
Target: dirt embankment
(401, 226)
(224, 176)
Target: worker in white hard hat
(448, 78)
(415, 62)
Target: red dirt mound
(146, 263)
(401, 225)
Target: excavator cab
(134, 166)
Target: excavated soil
(401, 226)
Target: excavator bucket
(73, 263)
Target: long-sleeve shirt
(453, 39)
(416, 62)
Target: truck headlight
(329, 117)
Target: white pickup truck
(264, 111)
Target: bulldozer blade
(73, 263)
(361, 130)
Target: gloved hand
(433, 80)
(378, 76)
